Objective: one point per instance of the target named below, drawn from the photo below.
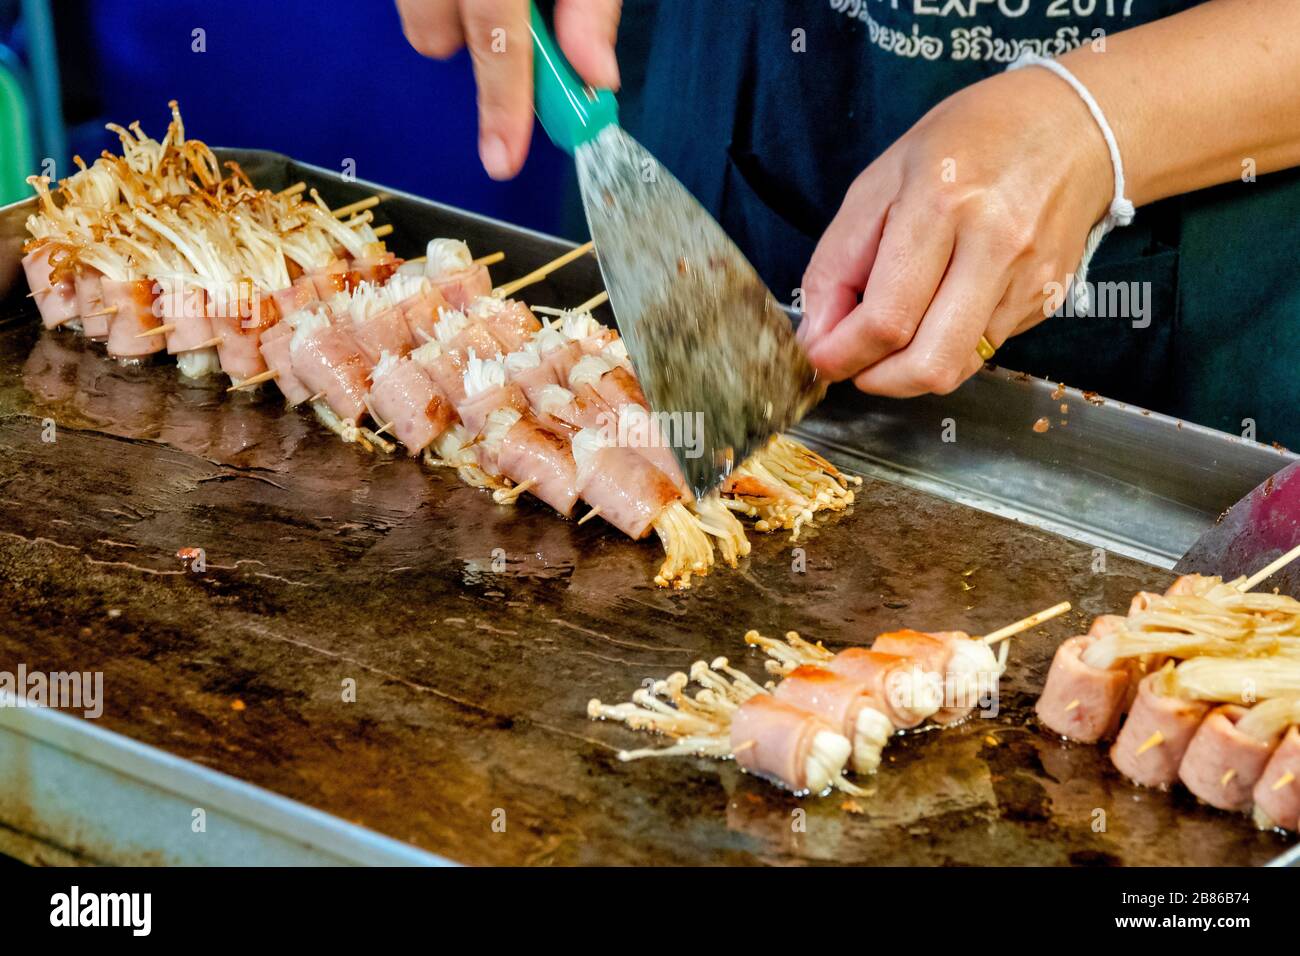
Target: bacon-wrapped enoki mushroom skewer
(268, 287)
(768, 737)
(913, 676)
(1094, 678)
(1277, 792)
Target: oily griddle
(324, 563)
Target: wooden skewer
(1155, 740)
(1025, 624)
(1283, 780)
(316, 398)
(540, 273)
(157, 330)
(508, 496)
(293, 190)
(1270, 569)
(589, 515)
(385, 230)
(1072, 705)
(111, 310)
(209, 344)
(383, 426)
(360, 205)
(257, 379)
(491, 259)
(599, 299)
(32, 295)
(1227, 777)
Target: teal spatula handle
(571, 112)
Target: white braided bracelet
(1121, 209)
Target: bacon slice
(531, 452)
(842, 702)
(907, 694)
(629, 491)
(533, 380)
(330, 279)
(407, 400)
(475, 335)
(133, 302)
(595, 344)
(775, 739)
(1175, 720)
(638, 429)
(1080, 702)
(329, 360)
(274, 346)
(294, 298)
(463, 286)
(239, 325)
(88, 282)
(474, 410)
(618, 387)
(56, 301)
(421, 312)
(184, 307)
(512, 323)
(1222, 764)
(374, 269)
(925, 650)
(385, 331)
(561, 360)
(448, 372)
(587, 410)
(1277, 800)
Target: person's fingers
(837, 272)
(1032, 298)
(909, 265)
(943, 353)
(432, 27)
(586, 31)
(501, 46)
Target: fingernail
(611, 69)
(496, 159)
(807, 331)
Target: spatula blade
(1260, 527)
(714, 352)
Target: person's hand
(501, 46)
(958, 230)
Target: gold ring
(985, 349)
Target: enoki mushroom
(784, 484)
(1223, 622)
(701, 723)
(686, 546)
(1233, 680)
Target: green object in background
(571, 112)
(17, 158)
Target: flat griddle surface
(476, 634)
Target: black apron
(768, 110)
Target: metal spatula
(1259, 528)
(713, 350)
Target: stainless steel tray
(325, 566)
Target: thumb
(586, 31)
